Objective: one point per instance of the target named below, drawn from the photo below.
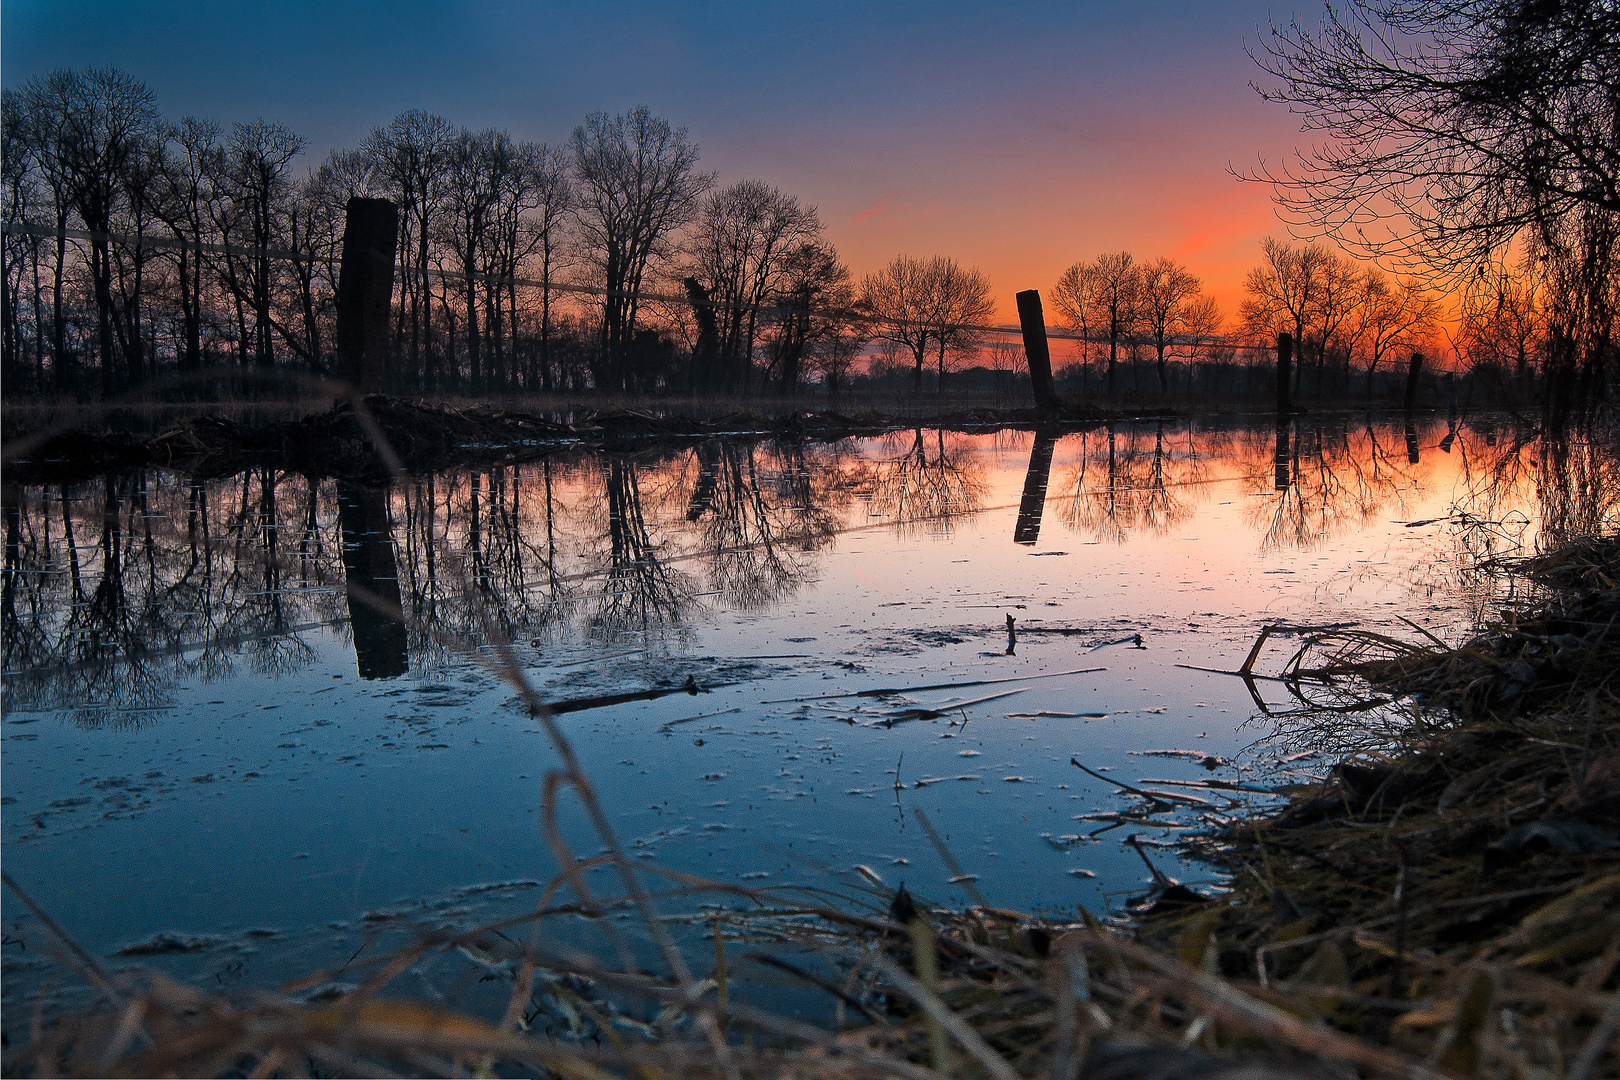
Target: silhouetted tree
(898, 299)
(1466, 126)
(1118, 288)
(1282, 295)
(256, 160)
(916, 302)
(410, 155)
(637, 184)
(87, 127)
(739, 248)
(1168, 294)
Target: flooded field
(225, 754)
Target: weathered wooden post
(1285, 357)
(1032, 320)
(1412, 371)
(365, 291)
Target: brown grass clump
(1454, 894)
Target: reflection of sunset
(606, 547)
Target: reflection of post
(1033, 322)
(1031, 506)
(372, 581)
(11, 499)
(1281, 455)
(1411, 443)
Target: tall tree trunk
(58, 321)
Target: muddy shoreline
(378, 435)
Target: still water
(224, 754)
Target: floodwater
(224, 755)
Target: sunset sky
(1017, 140)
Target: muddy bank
(380, 434)
(1451, 891)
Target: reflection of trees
(1572, 474)
(915, 489)
(758, 515)
(640, 592)
(479, 555)
(1326, 480)
(111, 593)
(1118, 486)
(115, 592)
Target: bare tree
(916, 302)
(472, 176)
(410, 154)
(740, 248)
(189, 171)
(813, 325)
(21, 196)
(1386, 315)
(1337, 297)
(961, 305)
(553, 207)
(1503, 321)
(257, 157)
(1118, 288)
(88, 124)
(1282, 295)
(900, 301)
(1168, 294)
(1449, 130)
(1469, 120)
(1201, 326)
(638, 184)
(1076, 298)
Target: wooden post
(365, 291)
(1033, 322)
(1285, 356)
(1412, 371)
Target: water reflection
(932, 489)
(371, 580)
(758, 521)
(114, 592)
(1118, 486)
(1032, 504)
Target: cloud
(885, 205)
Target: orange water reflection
(115, 590)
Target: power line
(779, 310)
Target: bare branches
(918, 302)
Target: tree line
(136, 244)
(1342, 314)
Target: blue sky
(1017, 138)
